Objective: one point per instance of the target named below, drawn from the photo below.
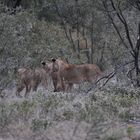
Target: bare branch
(127, 30)
(62, 20)
(129, 74)
(117, 30)
(122, 19)
(110, 75)
(135, 4)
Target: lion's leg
(28, 89)
(69, 88)
(35, 85)
(19, 89)
(63, 86)
(45, 83)
(60, 86)
(55, 85)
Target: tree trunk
(136, 61)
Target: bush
(38, 124)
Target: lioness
(76, 74)
(69, 74)
(30, 79)
(59, 85)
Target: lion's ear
(53, 59)
(43, 63)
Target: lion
(59, 85)
(76, 74)
(30, 79)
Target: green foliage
(126, 115)
(21, 111)
(104, 111)
(38, 124)
(111, 138)
(68, 114)
(26, 41)
(5, 116)
(38, 31)
(126, 101)
(130, 130)
(25, 109)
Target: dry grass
(108, 114)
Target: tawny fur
(68, 74)
(30, 79)
(54, 73)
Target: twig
(109, 76)
(108, 80)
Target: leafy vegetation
(105, 32)
(104, 116)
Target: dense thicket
(104, 32)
